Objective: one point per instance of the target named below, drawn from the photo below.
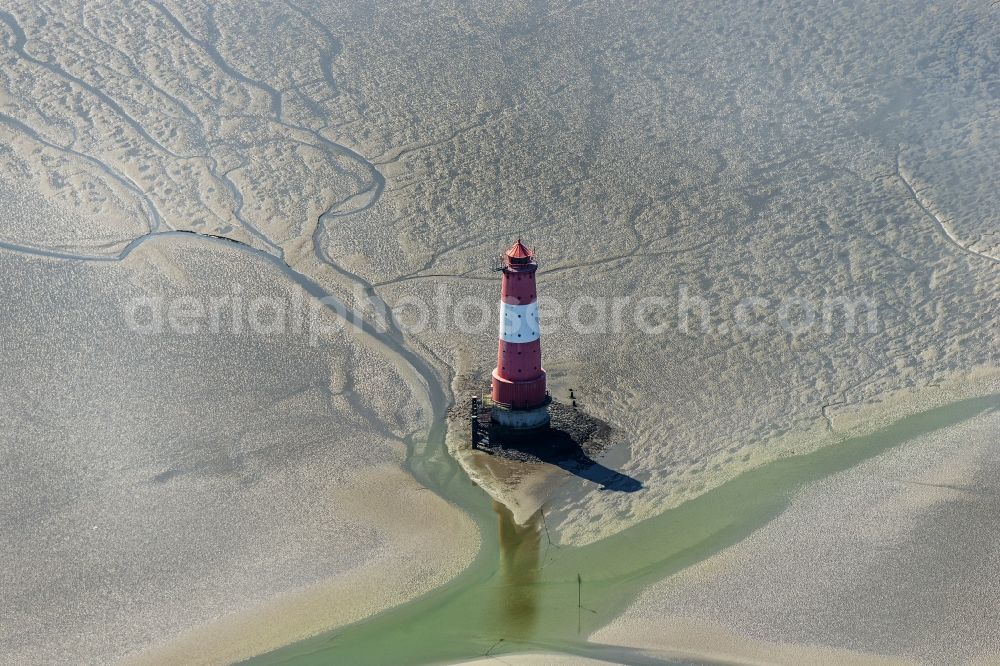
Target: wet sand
(684, 642)
(892, 558)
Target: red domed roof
(519, 251)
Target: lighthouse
(520, 400)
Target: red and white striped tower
(518, 386)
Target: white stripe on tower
(519, 323)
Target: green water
(521, 593)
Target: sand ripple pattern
(150, 113)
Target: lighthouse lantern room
(520, 400)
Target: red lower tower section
(518, 381)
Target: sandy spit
(413, 560)
(894, 557)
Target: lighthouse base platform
(520, 419)
(522, 469)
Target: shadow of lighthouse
(562, 449)
(519, 548)
(558, 448)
